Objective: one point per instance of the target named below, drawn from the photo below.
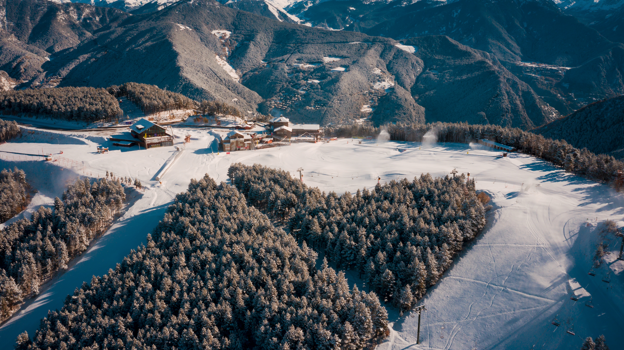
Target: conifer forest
(32, 250)
(400, 237)
(14, 193)
(215, 274)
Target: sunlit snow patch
(339, 69)
(377, 71)
(406, 48)
(383, 85)
(183, 27)
(331, 59)
(222, 33)
(276, 11)
(226, 66)
(313, 81)
(306, 65)
(366, 109)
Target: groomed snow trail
(502, 292)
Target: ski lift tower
(620, 233)
(300, 170)
(419, 309)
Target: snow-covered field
(503, 291)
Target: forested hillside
(400, 237)
(151, 98)
(598, 127)
(14, 196)
(32, 250)
(71, 103)
(8, 130)
(216, 274)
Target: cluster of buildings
(147, 134)
(282, 130)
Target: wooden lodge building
(150, 135)
(279, 122)
(283, 129)
(282, 133)
(310, 130)
(237, 141)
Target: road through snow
(502, 291)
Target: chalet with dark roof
(150, 135)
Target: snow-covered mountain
(274, 9)
(589, 5)
(126, 5)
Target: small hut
(150, 135)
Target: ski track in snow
(501, 292)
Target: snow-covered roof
(238, 133)
(284, 128)
(308, 127)
(280, 120)
(141, 125)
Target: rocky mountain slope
(461, 84)
(209, 51)
(598, 127)
(568, 63)
(512, 30)
(32, 30)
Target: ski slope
(502, 292)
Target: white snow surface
(366, 109)
(277, 8)
(222, 33)
(407, 48)
(502, 291)
(306, 65)
(331, 59)
(339, 69)
(383, 85)
(183, 27)
(229, 69)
